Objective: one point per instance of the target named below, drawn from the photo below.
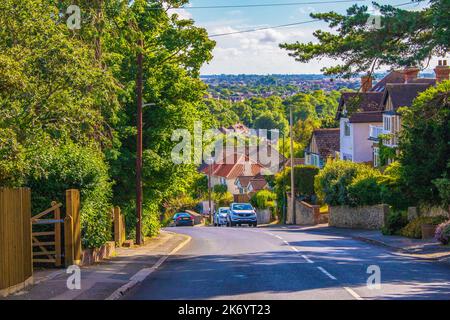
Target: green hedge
(348, 183)
(263, 199)
(72, 166)
(395, 222)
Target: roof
(367, 117)
(240, 167)
(327, 141)
(368, 103)
(297, 162)
(244, 180)
(403, 95)
(395, 76)
(258, 184)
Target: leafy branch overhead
(404, 38)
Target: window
(315, 160)
(376, 156)
(346, 129)
(387, 124)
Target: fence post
(119, 227)
(57, 236)
(73, 210)
(68, 241)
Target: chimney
(410, 73)
(442, 71)
(366, 83)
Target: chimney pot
(410, 73)
(442, 71)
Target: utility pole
(291, 116)
(139, 89)
(209, 195)
(284, 181)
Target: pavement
(109, 279)
(290, 262)
(425, 249)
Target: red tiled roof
(367, 117)
(238, 168)
(258, 185)
(395, 76)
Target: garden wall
(263, 216)
(365, 217)
(305, 213)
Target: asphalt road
(288, 263)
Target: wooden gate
(47, 244)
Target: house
(402, 95)
(226, 172)
(357, 113)
(323, 144)
(251, 184)
(237, 128)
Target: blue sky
(258, 52)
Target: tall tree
(403, 38)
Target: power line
(269, 4)
(262, 28)
(286, 25)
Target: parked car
(241, 213)
(183, 219)
(220, 217)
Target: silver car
(220, 217)
(242, 213)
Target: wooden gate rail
(52, 256)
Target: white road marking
(307, 259)
(279, 237)
(326, 273)
(353, 293)
(285, 242)
(295, 249)
(283, 227)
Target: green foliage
(414, 228)
(71, 166)
(443, 186)
(393, 189)
(12, 159)
(263, 199)
(386, 153)
(220, 188)
(405, 38)
(395, 222)
(348, 183)
(222, 199)
(424, 147)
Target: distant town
(246, 86)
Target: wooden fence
(16, 263)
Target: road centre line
(307, 259)
(353, 293)
(326, 273)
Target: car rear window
(242, 206)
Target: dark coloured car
(183, 219)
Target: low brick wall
(263, 216)
(92, 256)
(305, 213)
(366, 217)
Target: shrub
(348, 183)
(393, 189)
(443, 233)
(222, 199)
(220, 188)
(263, 199)
(71, 166)
(395, 222)
(414, 228)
